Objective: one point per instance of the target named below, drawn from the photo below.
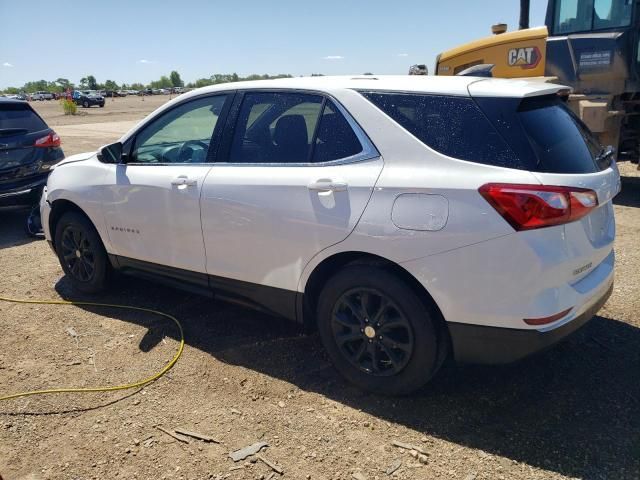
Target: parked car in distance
(88, 99)
(28, 151)
(112, 93)
(16, 96)
(178, 90)
(409, 219)
(122, 93)
(42, 95)
(36, 96)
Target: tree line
(172, 80)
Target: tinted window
(21, 117)
(545, 134)
(562, 143)
(454, 126)
(275, 128)
(536, 134)
(612, 13)
(585, 15)
(335, 138)
(573, 16)
(181, 135)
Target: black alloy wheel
(78, 253)
(372, 332)
(379, 332)
(81, 253)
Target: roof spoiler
(482, 70)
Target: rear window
(21, 117)
(545, 133)
(539, 134)
(454, 126)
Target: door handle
(183, 180)
(328, 185)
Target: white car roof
(444, 85)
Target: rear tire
(389, 346)
(81, 253)
(85, 104)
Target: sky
(140, 40)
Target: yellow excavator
(589, 45)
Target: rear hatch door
(20, 127)
(558, 149)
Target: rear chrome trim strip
(15, 194)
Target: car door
(294, 178)
(152, 204)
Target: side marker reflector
(546, 320)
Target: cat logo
(526, 57)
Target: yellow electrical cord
(99, 389)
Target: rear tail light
(51, 140)
(526, 207)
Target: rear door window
(335, 139)
(19, 118)
(275, 127)
(291, 127)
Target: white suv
(407, 218)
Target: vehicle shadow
(572, 409)
(12, 223)
(629, 196)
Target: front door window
(181, 135)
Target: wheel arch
(59, 208)
(332, 264)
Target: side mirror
(111, 153)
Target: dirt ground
(571, 412)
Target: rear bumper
(26, 195)
(495, 345)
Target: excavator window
(571, 16)
(611, 14)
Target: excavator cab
(593, 45)
(589, 45)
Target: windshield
(586, 15)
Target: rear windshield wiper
(4, 132)
(605, 155)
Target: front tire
(81, 253)
(85, 104)
(378, 333)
